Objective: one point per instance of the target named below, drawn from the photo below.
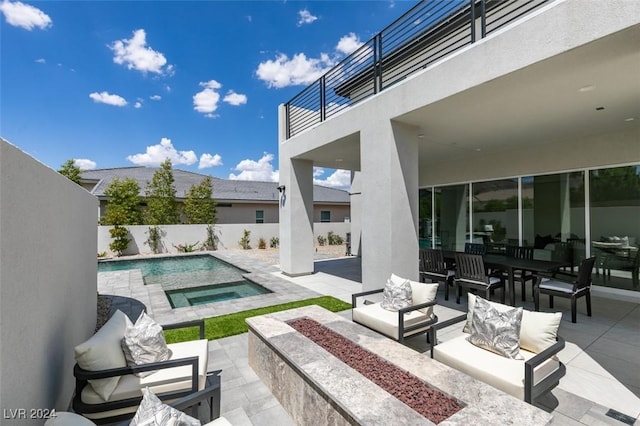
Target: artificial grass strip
(232, 324)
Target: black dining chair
(433, 267)
(471, 273)
(573, 290)
(521, 275)
(475, 248)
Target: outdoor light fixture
(281, 189)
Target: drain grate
(620, 416)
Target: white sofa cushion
(539, 330)
(220, 421)
(386, 322)
(423, 293)
(164, 380)
(503, 373)
(103, 351)
(396, 294)
(471, 303)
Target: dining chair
(471, 273)
(475, 248)
(433, 266)
(573, 290)
(521, 275)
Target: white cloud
(84, 163)
(306, 17)
(41, 61)
(349, 44)
(138, 104)
(109, 99)
(155, 97)
(24, 16)
(156, 154)
(235, 99)
(339, 179)
(207, 100)
(299, 70)
(208, 160)
(261, 170)
(135, 54)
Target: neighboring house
(510, 122)
(238, 201)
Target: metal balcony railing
(429, 31)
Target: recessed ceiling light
(421, 135)
(629, 119)
(587, 88)
(338, 160)
(478, 149)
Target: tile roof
(223, 189)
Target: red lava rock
(427, 401)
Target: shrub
(186, 248)
(262, 244)
(245, 240)
(322, 240)
(121, 239)
(102, 254)
(334, 240)
(154, 240)
(274, 242)
(211, 242)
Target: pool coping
(129, 283)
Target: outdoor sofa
(537, 344)
(109, 387)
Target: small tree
(123, 207)
(211, 242)
(245, 241)
(121, 239)
(199, 206)
(71, 171)
(161, 197)
(154, 239)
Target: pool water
(190, 280)
(214, 293)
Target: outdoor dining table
(509, 264)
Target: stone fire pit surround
(315, 387)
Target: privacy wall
(47, 283)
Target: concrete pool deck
(603, 368)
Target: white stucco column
(296, 210)
(389, 182)
(355, 202)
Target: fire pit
(322, 385)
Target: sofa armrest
(401, 312)
(355, 296)
(187, 324)
(211, 391)
(444, 324)
(531, 391)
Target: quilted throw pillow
(397, 294)
(144, 343)
(496, 331)
(152, 412)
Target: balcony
(427, 33)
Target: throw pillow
(496, 331)
(423, 293)
(471, 299)
(152, 412)
(103, 351)
(539, 330)
(397, 294)
(144, 342)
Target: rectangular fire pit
(315, 387)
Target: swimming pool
(191, 280)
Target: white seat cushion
(165, 380)
(220, 421)
(557, 286)
(500, 372)
(386, 322)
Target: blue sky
(123, 83)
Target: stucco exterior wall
(48, 283)
(228, 234)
